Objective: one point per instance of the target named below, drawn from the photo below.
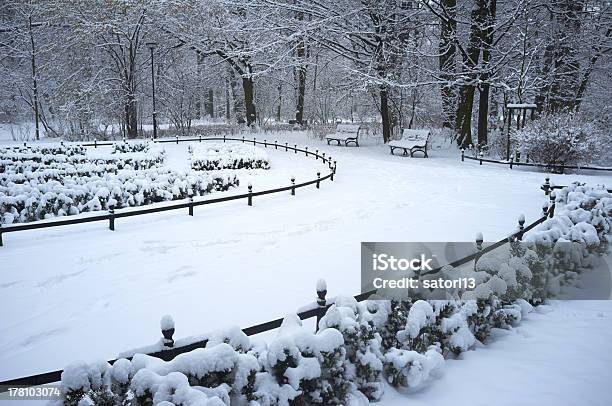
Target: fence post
(321, 301)
(1, 243)
(167, 328)
(190, 204)
(462, 154)
(250, 196)
(111, 219)
(177, 140)
(286, 147)
(480, 157)
(275, 144)
(544, 209)
(200, 138)
(521, 222)
(95, 143)
(293, 186)
(254, 142)
(323, 157)
(265, 143)
(243, 139)
(295, 148)
(511, 160)
(479, 241)
(318, 179)
(551, 210)
(317, 154)
(546, 186)
(223, 137)
(306, 149)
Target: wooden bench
(345, 133)
(412, 141)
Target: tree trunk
(131, 116)
(210, 103)
(228, 109)
(385, 114)
(447, 63)
(35, 103)
(280, 103)
(247, 86)
(483, 100)
(463, 121)
(237, 97)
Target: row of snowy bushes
(27, 161)
(33, 199)
(361, 345)
(358, 346)
(227, 156)
(552, 255)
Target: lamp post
(152, 46)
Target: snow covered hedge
(361, 345)
(344, 363)
(138, 155)
(227, 156)
(47, 181)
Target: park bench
(345, 133)
(411, 142)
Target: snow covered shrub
(412, 369)
(132, 146)
(397, 315)
(228, 156)
(34, 199)
(303, 368)
(558, 139)
(363, 344)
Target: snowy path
(84, 292)
(561, 358)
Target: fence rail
(512, 163)
(322, 304)
(111, 215)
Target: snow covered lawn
(84, 292)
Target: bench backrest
(415, 135)
(348, 129)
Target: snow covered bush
(362, 342)
(36, 199)
(560, 139)
(228, 156)
(412, 369)
(132, 146)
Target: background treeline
(78, 68)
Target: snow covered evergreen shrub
(132, 146)
(563, 138)
(34, 199)
(362, 342)
(228, 156)
(412, 369)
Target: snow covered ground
(84, 292)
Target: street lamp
(152, 46)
